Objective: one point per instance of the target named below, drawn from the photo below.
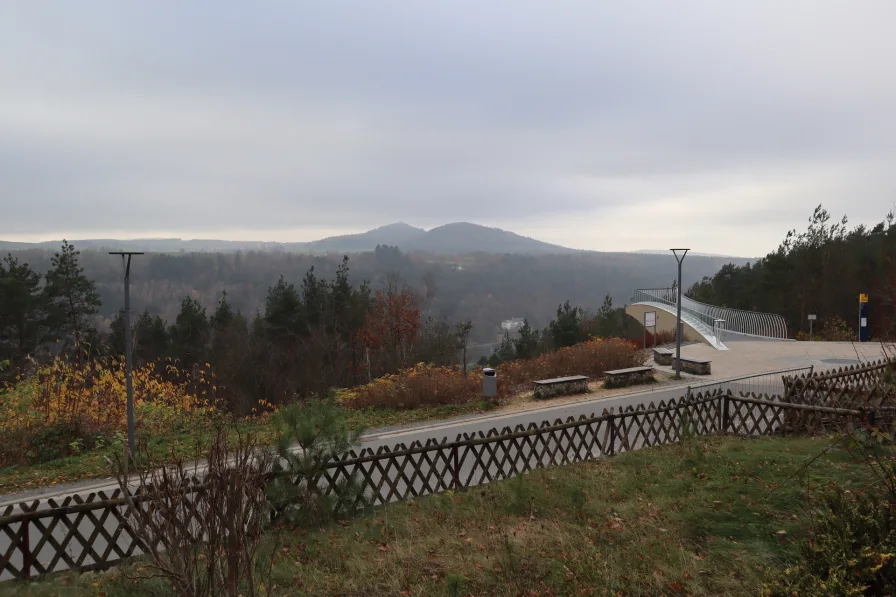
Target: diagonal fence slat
(93, 532)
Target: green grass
(709, 517)
(94, 464)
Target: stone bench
(663, 356)
(619, 378)
(696, 366)
(561, 386)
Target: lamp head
(683, 253)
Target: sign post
(863, 317)
(650, 321)
(812, 319)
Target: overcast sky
(596, 125)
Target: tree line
(483, 288)
(571, 325)
(307, 338)
(819, 271)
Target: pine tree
(507, 351)
(566, 330)
(115, 339)
(73, 295)
(190, 332)
(526, 346)
(151, 339)
(23, 310)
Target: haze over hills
(690, 253)
(451, 239)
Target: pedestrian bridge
(705, 323)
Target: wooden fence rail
(92, 532)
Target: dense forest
(323, 333)
(820, 271)
(482, 288)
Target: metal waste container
(489, 382)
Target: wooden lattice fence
(92, 531)
(866, 386)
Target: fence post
(726, 416)
(612, 421)
(26, 550)
(456, 467)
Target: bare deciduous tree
(202, 525)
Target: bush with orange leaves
(420, 385)
(67, 408)
(590, 358)
(428, 385)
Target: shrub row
(68, 408)
(429, 385)
(589, 358)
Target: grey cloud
(197, 117)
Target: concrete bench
(696, 366)
(663, 356)
(628, 377)
(561, 386)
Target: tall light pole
(128, 359)
(678, 333)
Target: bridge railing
(751, 323)
(667, 296)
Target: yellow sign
(863, 298)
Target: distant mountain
(450, 239)
(463, 237)
(399, 234)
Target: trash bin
(489, 382)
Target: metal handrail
(668, 297)
(754, 323)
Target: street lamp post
(678, 333)
(128, 359)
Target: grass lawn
(93, 464)
(710, 517)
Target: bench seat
(627, 377)
(696, 366)
(663, 356)
(561, 386)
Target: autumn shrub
(834, 329)
(851, 549)
(421, 385)
(69, 408)
(658, 339)
(429, 385)
(589, 358)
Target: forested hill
(484, 288)
(820, 271)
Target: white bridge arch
(714, 324)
